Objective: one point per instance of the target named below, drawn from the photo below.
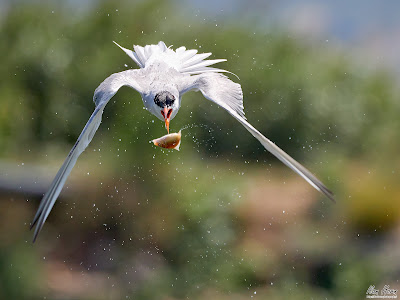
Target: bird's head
(166, 106)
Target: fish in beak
(169, 141)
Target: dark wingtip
(35, 235)
(332, 198)
(37, 231)
(33, 224)
(328, 193)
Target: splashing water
(210, 141)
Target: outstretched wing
(228, 94)
(102, 95)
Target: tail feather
(162, 45)
(186, 55)
(140, 53)
(195, 60)
(183, 60)
(147, 51)
(210, 70)
(132, 55)
(180, 50)
(204, 63)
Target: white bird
(163, 77)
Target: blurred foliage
(138, 222)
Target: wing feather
(227, 94)
(102, 95)
(217, 88)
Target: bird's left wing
(228, 94)
(102, 95)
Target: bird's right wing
(102, 95)
(228, 94)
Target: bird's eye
(157, 101)
(169, 101)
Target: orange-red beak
(166, 113)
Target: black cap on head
(164, 99)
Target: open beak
(166, 112)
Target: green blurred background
(222, 218)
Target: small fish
(169, 141)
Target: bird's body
(163, 77)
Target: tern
(164, 75)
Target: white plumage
(182, 60)
(164, 76)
